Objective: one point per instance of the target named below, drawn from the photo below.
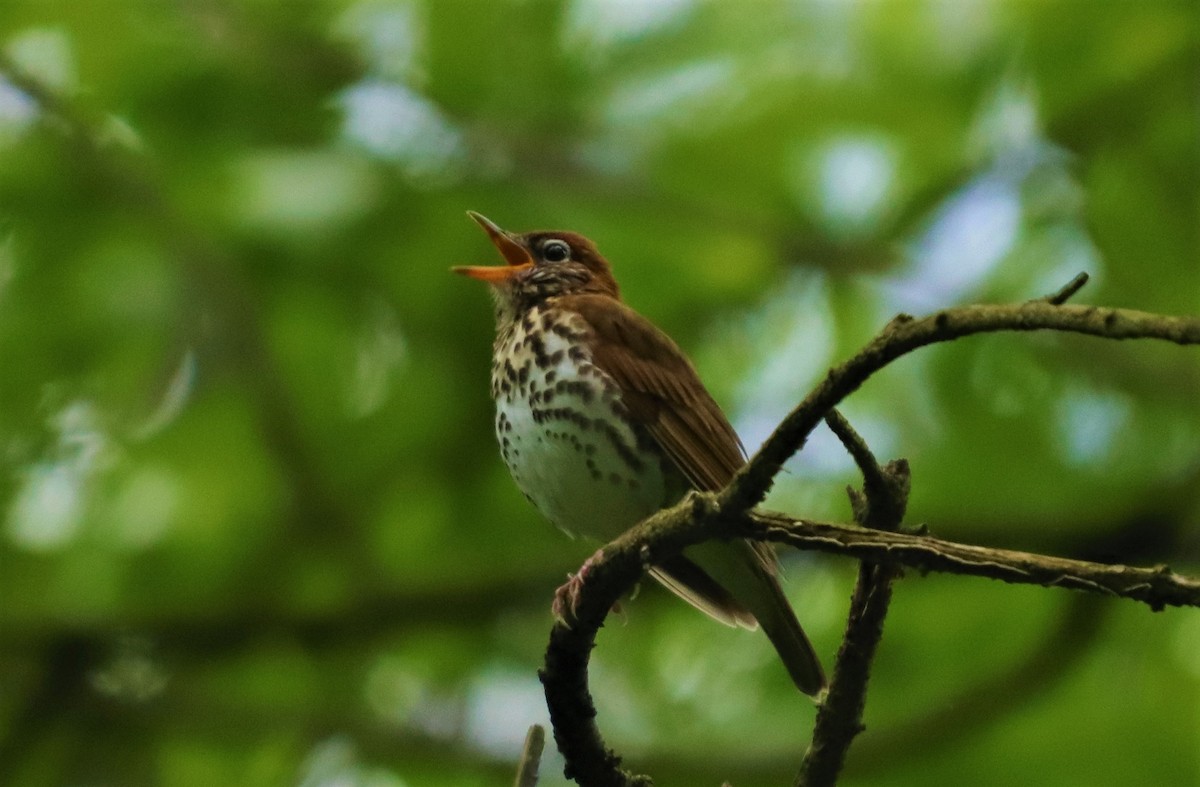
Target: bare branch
(881, 504)
(531, 757)
(728, 514)
(905, 334)
(696, 519)
(1157, 587)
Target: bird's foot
(566, 598)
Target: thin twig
(1064, 293)
(531, 757)
(884, 496)
(857, 447)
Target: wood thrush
(602, 421)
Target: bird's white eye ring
(556, 251)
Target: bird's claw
(566, 598)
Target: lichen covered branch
(730, 514)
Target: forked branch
(730, 514)
(880, 505)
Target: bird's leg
(566, 598)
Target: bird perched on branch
(602, 420)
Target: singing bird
(602, 420)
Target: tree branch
(1157, 587)
(905, 334)
(880, 505)
(700, 517)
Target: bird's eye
(555, 251)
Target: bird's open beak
(516, 255)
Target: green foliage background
(253, 528)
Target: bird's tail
(739, 587)
(779, 623)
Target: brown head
(541, 265)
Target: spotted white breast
(563, 430)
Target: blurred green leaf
(244, 413)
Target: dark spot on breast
(539, 350)
(625, 451)
(568, 414)
(564, 330)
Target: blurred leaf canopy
(253, 526)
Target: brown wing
(662, 391)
